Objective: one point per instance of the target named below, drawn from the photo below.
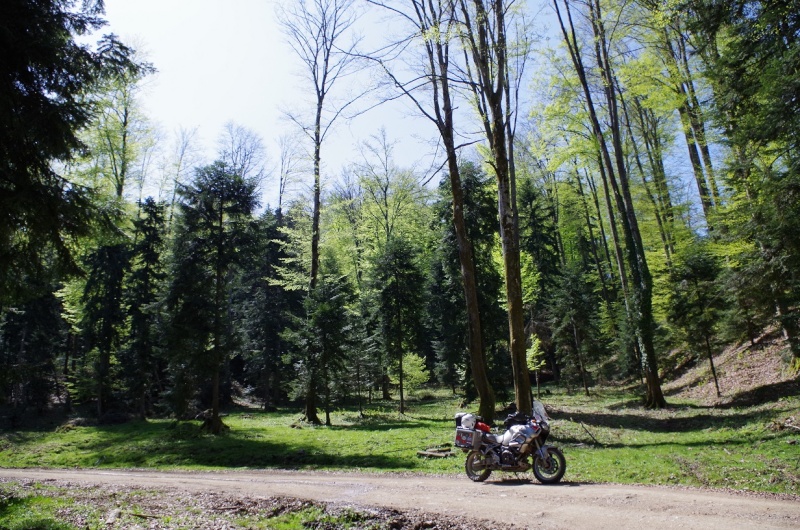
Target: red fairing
(482, 426)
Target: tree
(242, 150)
(414, 372)
(32, 337)
(433, 25)
(323, 338)
(46, 77)
(266, 307)
(214, 231)
(751, 54)
(399, 283)
(696, 302)
(142, 291)
(573, 312)
(104, 316)
(120, 137)
(316, 31)
(640, 309)
(449, 312)
(489, 74)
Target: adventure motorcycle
(524, 436)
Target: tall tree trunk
(315, 215)
(214, 424)
(641, 306)
(581, 367)
(486, 43)
(477, 355)
(662, 230)
(643, 283)
(593, 245)
(649, 130)
(684, 111)
(696, 118)
(711, 363)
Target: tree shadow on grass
(148, 444)
(673, 424)
(764, 394)
(686, 418)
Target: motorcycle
(525, 437)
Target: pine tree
(215, 228)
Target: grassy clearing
(608, 437)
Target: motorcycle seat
(492, 438)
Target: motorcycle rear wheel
(550, 470)
(475, 466)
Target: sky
(222, 61)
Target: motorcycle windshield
(538, 411)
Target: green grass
(30, 511)
(608, 437)
(30, 505)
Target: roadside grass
(607, 437)
(30, 505)
(32, 510)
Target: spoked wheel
(551, 469)
(475, 466)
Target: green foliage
(696, 302)
(321, 339)
(214, 233)
(45, 100)
(535, 356)
(414, 372)
(265, 307)
(575, 323)
(400, 283)
(140, 363)
(30, 336)
(751, 55)
(447, 305)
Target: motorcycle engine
(508, 458)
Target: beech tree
(433, 26)
(488, 70)
(640, 310)
(317, 31)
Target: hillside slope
(747, 374)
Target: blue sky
(226, 60)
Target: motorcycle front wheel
(551, 469)
(475, 466)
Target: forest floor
(748, 374)
(729, 461)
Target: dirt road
(527, 504)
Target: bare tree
(243, 151)
(433, 27)
(317, 31)
(291, 165)
(177, 168)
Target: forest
(609, 206)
